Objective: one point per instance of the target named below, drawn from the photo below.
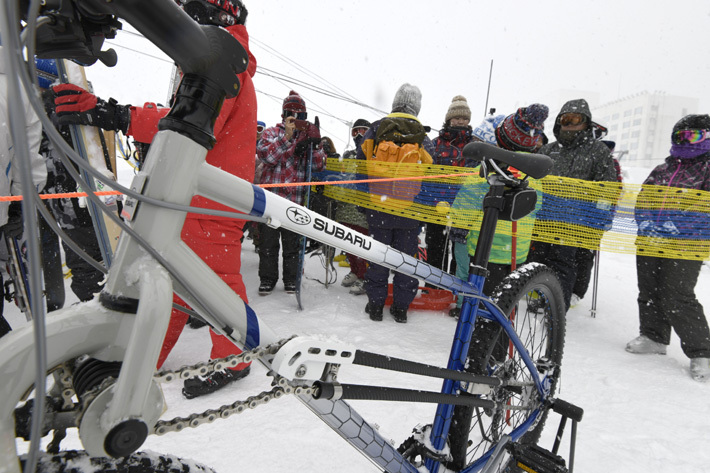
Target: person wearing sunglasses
(578, 153)
(667, 285)
(284, 153)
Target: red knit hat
(520, 130)
(294, 102)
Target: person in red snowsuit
(217, 240)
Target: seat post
(493, 204)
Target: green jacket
(470, 196)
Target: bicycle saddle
(534, 165)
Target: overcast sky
(365, 49)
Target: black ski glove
(76, 106)
(14, 226)
(301, 147)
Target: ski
(92, 146)
(17, 288)
(329, 253)
(304, 240)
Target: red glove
(72, 98)
(76, 106)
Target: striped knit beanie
(458, 109)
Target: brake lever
(76, 32)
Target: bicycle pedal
(535, 459)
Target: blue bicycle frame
(471, 309)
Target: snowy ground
(642, 413)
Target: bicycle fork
(493, 204)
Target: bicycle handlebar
(206, 51)
(534, 165)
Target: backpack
(396, 152)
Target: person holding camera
(285, 151)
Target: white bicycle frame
(136, 339)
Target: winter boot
(400, 315)
(700, 369)
(358, 288)
(349, 280)
(290, 287)
(214, 381)
(374, 311)
(266, 288)
(642, 345)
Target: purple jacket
(678, 215)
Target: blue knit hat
(486, 131)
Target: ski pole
(595, 284)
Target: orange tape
(66, 195)
(361, 181)
(70, 195)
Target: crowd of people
(666, 286)
(289, 151)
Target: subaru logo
(298, 216)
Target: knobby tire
(78, 461)
(535, 292)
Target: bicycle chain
(283, 386)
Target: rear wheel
(531, 297)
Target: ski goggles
(361, 130)
(572, 119)
(293, 113)
(690, 136)
(215, 12)
(259, 128)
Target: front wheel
(531, 298)
(78, 461)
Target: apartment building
(641, 124)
